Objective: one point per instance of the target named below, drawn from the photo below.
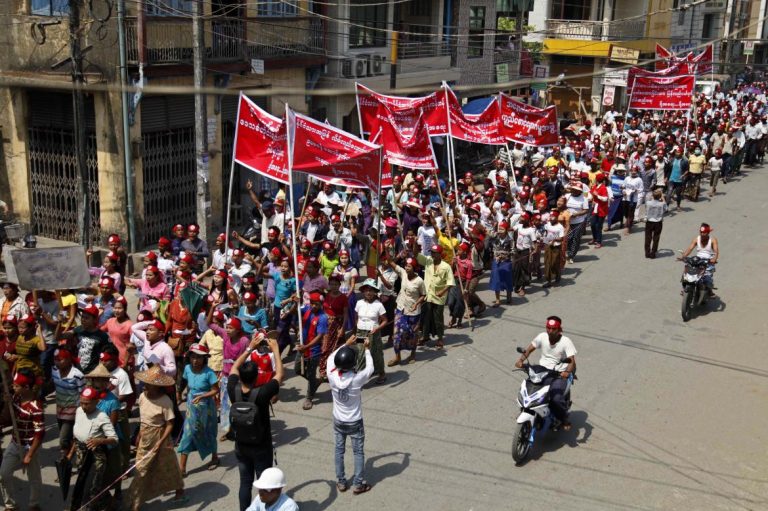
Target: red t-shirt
(29, 420)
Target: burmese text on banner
(412, 150)
(528, 124)
(333, 155)
(260, 144)
(482, 128)
(407, 110)
(679, 68)
(663, 56)
(662, 93)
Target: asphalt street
(667, 414)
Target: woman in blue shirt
(251, 315)
(284, 307)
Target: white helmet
(270, 479)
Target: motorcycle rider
(706, 248)
(557, 354)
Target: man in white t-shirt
(558, 354)
(347, 391)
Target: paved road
(667, 415)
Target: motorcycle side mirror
(520, 350)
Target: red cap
(553, 323)
(62, 354)
(218, 315)
(464, 246)
(28, 319)
(306, 244)
(90, 393)
(503, 225)
(436, 248)
(221, 237)
(121, 299)
(704, 229)
(193, 228)
(108, 282)
(179, 227)
(188, 258)
(154, 269)
(105, 357)
(221, 273)
(327, 246)
(600, 177)
(112, 256)
(158, 324)
(114, 239)
(90, 309)
(235, 323)
(163, 242)
(315, 297)
(20, 379)
(151, 256)
(249, 297)
(237, 253)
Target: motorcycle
(535, 415)
(695, 290)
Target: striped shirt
(68, 390)
(29, 420)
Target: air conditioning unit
(376, 65)
(361, 66)
(348, 68)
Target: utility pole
(78, 106)
(201, 134)
(393, 62)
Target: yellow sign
(624, 55)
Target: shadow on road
(376, 471)
(201, 496)
(312, 505)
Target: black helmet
(345, 358)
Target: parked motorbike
(695, 290)
(535, 415)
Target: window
(708, 27)
(368, 19)
(476, 40)
(50, 7)
(277, 8)
(169, 7)
(571, 9)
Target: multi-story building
(578, 38)
(265, 44)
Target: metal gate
(170, 171)
(53, 171)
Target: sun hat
(369, 283)
(100, 372)
(155, 376)
(271, 479)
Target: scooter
(695, 290)
(535, 415)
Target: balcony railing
(168, 40)
(505, 56)
(420, 50)
(596, 30)
(286, 37)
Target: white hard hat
(270, 479)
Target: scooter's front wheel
(685, 308)
(521, 445)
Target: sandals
(378, 381)
(184, 474)
(365, 487)
(411, 360)
(393, 362)
(439, 345)
(214, 464)
(342, 487)
(307, 404)
(496, 303)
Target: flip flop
(214, 464)
(379, 381)
(365, 487)
(307, 404)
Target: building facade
(262, 45)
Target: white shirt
(220, 259)
(324, 198)
(347, 389)
(632, 185)
(552, 233)
(577, 204)
(552, 356)
(276, 220)
(121, 385)
(368, 314)
(526, 236)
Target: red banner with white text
(702, 63)
(413, 151)
(679, 68)
(333, 155)
(662, 93)
(260, 143)
(663, 56)
(482, 128)
(406, 110)
(528, 124)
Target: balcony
(168, 40)
(422, 50)
(596, 30)
(271, 38)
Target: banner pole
(359, 114)
(231, 183)
(449, 141)
(294, 234)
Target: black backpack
(244, 418)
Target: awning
(476, 106)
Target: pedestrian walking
(656, 209)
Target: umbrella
(193, 296)
(64, 471)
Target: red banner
(678, 69)
(703, 61)
(482, 128)
(406, 110)
(413, 151)
(332, 155)
(663, 56)
(260, 141)
(662, 93)
(527, 124)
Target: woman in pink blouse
(151, 287)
